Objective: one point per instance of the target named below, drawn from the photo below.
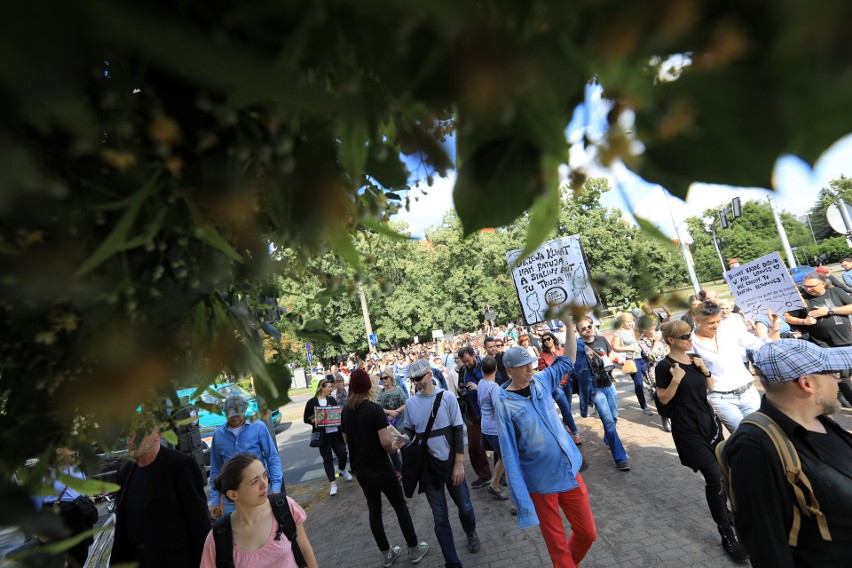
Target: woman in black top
(682, 382)
(365, 429)
(331, 437)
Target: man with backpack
(803, 517)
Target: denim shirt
(546, 460)
(254, 439)
(583, 373)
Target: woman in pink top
(243, 480)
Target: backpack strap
(223, 537)
(286, 525)
(792, 466)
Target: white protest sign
(764, 284)
(437, 333)
(554, 276)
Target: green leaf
(384, 166)
(545, 211)
(316, 330)
(341, 241)
(186, 421)
(58, 546)
(496, 182)
(651, 230)
(117, 239)
(205, 232)
(382, 229)
(170, 437)
(87, 486)
(353, 135)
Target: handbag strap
(432, 417)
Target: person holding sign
(732, 395)
(330, 439)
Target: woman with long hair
(365, 429)
(683, 381)
(550, 350)
(721, 348)
(330, 438)
(391, 398)
(626, 341)
(257, 538)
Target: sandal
(498, 494)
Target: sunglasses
(547, 339)
(587, 327)
(683, 337)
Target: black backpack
(224, 538)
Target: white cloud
(428, 205)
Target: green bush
(835, 249)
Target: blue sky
(796, 184)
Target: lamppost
(736, 211)
(710, 228)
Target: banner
(328, 416)
(554, 276)
(764, 284)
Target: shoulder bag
(417, 461)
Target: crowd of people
(410, 416)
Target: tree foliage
(751, 236)
(153, 153)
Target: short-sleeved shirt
(489, 394)
(361, 426)
(695, 427)
(392, 399)
(417, 412)
(273, 554)
(834, 330)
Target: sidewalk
(654, 515)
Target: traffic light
(736, 208)
(723, 219)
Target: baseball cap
(789, 359)
(517, 357)
(823, 270)
(419, 368)
(235, 405)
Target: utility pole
(791, 260)
(685, 251)
(811, 227)
(368, 327)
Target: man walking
(541, 460)
(469, 376)
(800, 380)
(161, 516)
(239, 436)
(446, 445)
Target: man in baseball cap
(541, 460)
(800, 380)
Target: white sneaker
(390, 556)
(346, 475)
(416, 553)
(333, 489)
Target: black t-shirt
(834, 330)
(361, 427)
(601, 346)
(524, 392)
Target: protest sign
(553, 277)
(328, 416)
(764, 284)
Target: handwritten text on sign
(328, 416)
(764, 284)
(554, 276)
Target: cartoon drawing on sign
(579, 285)
(555, 296)
(534, 306)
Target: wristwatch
(831, 311)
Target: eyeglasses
(587, 327)
(683, 337)
(498, 345)
(834, 374)
(817, 285)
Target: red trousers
(566, 552)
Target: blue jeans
(562, 396)
(639, 381)
(607, 405)
(443, 531)
(732, 408)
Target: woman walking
(626, 341)
(392, 399)
(365, 429)
(255, 533)
(550, 350)
(330, 438)
(683, 381)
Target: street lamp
(710, 228)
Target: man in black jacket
(161, 513)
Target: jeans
(717, 500)
(732, 408)
(639, 381)
(374, 481)
(607, 406)
(333, 442)
(566, 553)
(563, 396)
(443, 531)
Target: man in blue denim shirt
(542, 462)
